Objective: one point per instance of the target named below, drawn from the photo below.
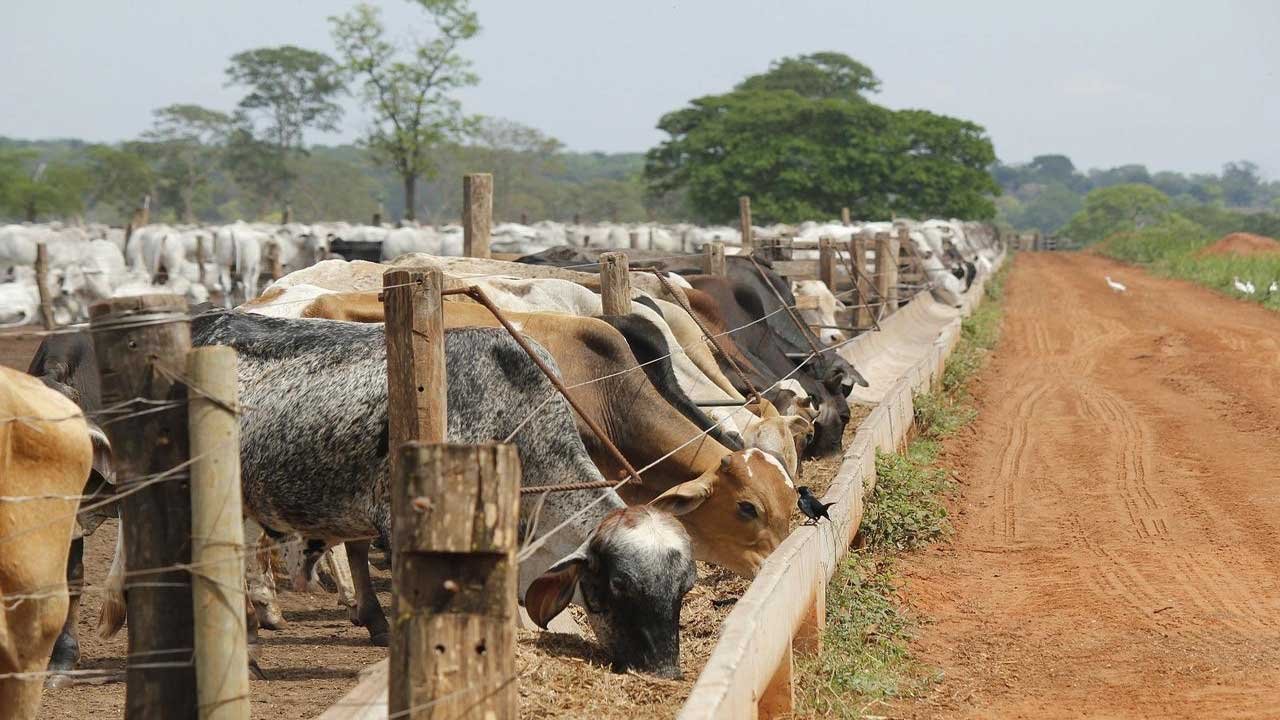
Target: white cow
(822, 309)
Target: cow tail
(111, 616)
(235, 252)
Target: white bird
(1115, 286)
(1275, 287)
(1244, 287)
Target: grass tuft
(866, 658)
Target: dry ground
(1116, 524)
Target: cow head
(19, 303)
(737, 513)
(782, 436)
(632, 575)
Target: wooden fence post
(887, 272)
(287, 216)
(808, 639)
(633, 238)
(221, 653)
(713, 258)
(377, 216)
(744, 223)
(455, 510)
(42, 286)
(524, 218)
(615, 283)
(827, 263)
(141, 345)
(779, 698)
(477, 214)
(273, 260)
(845, 218)
(416, 397)
(200, 258)
(144, 213)
(858, 261)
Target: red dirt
(1242, 244)
(1117, 517)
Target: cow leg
(368, 611)
(261, 581)
(66, 649)
(335, 564)
(251, 639)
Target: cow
(823, 311)
(768, 354)
(314, 460)
(596, 363)
(45, 449)
(65, 363)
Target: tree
(1120, 175)
(258, 169)
(186, 141)
(121, 177)
(291, 89)
(1241, 185)
(1047, 211)
(332, 188)
(818, 76)
(31, 189)
(801, 157)
(409, 89)
(1119, 208)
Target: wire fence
(138, 406)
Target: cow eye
(748, 510)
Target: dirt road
(1117, 521)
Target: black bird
(812, 507)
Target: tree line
(1048, 192)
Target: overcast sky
(1174, 85)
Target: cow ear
(767, 410)
(551, 592)
(798, 426)
(102, 458)
(683, 498)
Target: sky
(1183, 86)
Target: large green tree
(1118, 208)
(818, 76)
(803, 147)
(291, 89)
(186, 141)
(409, 90)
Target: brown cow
(44, 450)
(735, 506)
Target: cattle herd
(716, 430)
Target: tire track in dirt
(1117, 513)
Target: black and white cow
(314, 450)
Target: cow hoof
(59, 681)
(381, 639)
(269, 617)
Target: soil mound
(1242, 244)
